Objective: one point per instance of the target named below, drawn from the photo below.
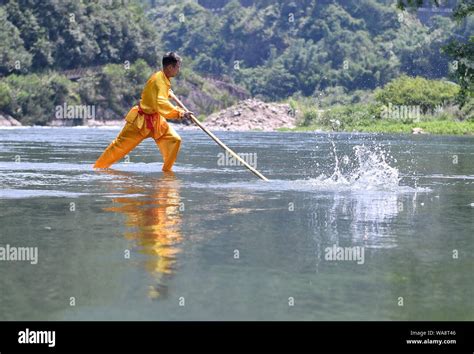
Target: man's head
(171, 64)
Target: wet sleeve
(165, 108)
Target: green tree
(13, 55)
(462, 52)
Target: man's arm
(163, 106)
(168, 110)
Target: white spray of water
(370, 171)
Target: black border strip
(135, 337)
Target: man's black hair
(170, 58)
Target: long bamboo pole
(217, 140)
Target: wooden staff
(216, 139)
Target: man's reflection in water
(151, 207)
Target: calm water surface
(211, 242)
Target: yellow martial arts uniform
(140, 125)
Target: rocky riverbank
(8, 121)
(252, 114)
(249, 114)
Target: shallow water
(212, 242)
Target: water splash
(368, 169)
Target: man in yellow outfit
(148, 119)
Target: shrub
(417, 91)
(34, 97)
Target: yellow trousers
(130, 136)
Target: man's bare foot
(168, 173)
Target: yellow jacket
(154, 99)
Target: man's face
(174, 69)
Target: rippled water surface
(212, 242)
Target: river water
(212, 242)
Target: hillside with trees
(312, 53)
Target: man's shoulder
(160, 78)
(152, 80)
(155, 76)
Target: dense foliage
(428, 94)
(326, 51)
(277, 49)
